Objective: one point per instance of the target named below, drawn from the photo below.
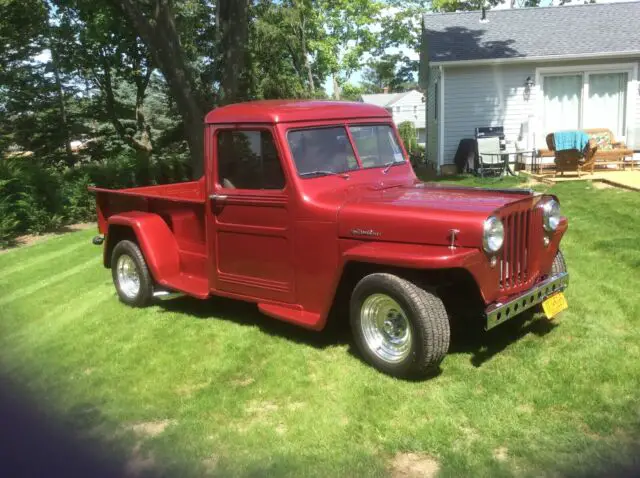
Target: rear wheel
(399, 327)
(130, 274)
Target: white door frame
(632, 93)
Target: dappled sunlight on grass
(189, 387)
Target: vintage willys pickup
(305, 206)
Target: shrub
(409, 136)
(8, 221)
(36, 197)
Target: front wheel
(399, 327)
(130, 274)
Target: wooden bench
(610, 151)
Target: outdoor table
(504, 167)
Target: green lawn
(188, 387)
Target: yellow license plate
(555, 304)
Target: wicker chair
(609, 151)
(572, 159)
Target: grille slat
(516, 252)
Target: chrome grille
(517, 254)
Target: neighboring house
(407, 106)
(532, 71)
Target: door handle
(218, 197)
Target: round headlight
(493, 234)
(551, 215)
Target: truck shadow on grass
(467, 336)
(242, 313)
(470, 338)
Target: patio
(629, 179)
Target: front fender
(409, 256)
(412, 256)
(155, 240)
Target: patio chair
(610, 151)
(490, 158)
(572, 159)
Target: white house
(407, 106)
(532, 71)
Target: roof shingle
(534, 32)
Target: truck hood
(422, 213)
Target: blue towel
(565, 140)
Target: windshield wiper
(321, 172)
(387, 166)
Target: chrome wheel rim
(386, 328)
(128, 276)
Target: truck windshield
(322, 151)
(325, 151)
(376, 145)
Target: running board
(167, 295)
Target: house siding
(432, 124)
(494, 96)
(485, 96)
(635, 140)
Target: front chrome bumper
(501, 312)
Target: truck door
(249, 221)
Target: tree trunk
(163, 41)
(62, 106)
(233, 30)
(336, 87)
(142, 143)
(307, 64)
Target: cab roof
(285, 111)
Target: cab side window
(248, 160)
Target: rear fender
(154, 237)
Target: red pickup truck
(309, 205)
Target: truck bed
(191, 192)
(182, 208)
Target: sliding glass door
(562, 102)
(583, 100)
(606, 104)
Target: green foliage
(8, 220)
(409, 136)
(36, 197)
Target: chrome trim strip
(499, 313)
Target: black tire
(144, 295)
(427, 318)
(559, 264)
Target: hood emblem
(365, 232)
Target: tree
(293, 69)
(350, 36)
(394, 72)
(155, 23)
(33, 111)
(353, 92)
(233, 31)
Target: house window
(248, 160)
(585, 99)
